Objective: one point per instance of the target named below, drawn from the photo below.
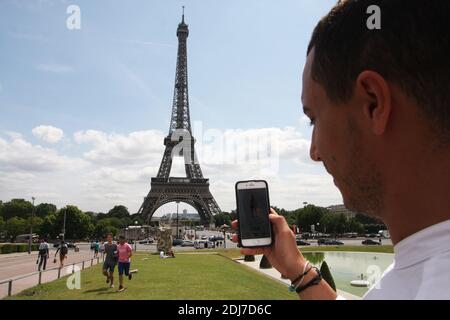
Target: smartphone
(252, 203)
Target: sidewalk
(31, 277)
(274, 274)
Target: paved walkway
(22, 264)
(274, 274)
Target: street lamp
(135, 240)
(177, 219)
(317, 228)
(64, 227)
(224, 228)
(31, 228)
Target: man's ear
(375, 95)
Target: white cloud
(117, 168)
(48, 134)
(53, 67)
(118, 149)
(18, 154)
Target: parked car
(204, 237)
(329, 242)
(300, 242)
(334, 243)
(202, 244)
(215, 238)
(370, 242)
(187, 243)
(25, 238)
(177, 242)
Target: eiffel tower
(194, 188)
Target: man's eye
(312, 121)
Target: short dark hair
(411, 50)
(121, 237)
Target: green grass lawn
(188, 276)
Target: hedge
(16, 247)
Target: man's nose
(313, 152)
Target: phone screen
(253, 207)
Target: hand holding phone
(252, 202)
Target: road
(18, 264)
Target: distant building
(340, 208)
(184, 216)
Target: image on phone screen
(253, 213)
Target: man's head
(121, 239)
(377, 95)
(109, 237)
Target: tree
(45, 209)
(326, 274)
(370, 224)
(341, 224)
(17, 208)
(115, 222)
(49, 228)
(2, 225)
(137, 217)
(16, 226)
(119, 212)
(1, 208)
(102, 228)
(355, 226)
(78, 224)
(290, 216)
(363, 219)
(222, 218)
(37, 224)
(309, 215)
(249, 258)
(264, 263)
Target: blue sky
(108, 89)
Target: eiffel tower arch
(194, 188)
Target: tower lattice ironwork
(194, 188)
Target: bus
(24, 238)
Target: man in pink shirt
(125, 253)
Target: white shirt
(43, 245)
(421, 267)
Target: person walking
(102, 249)
(63, 249)
(96, 248)
(125, 252)
(43, 254)
(111, 257)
